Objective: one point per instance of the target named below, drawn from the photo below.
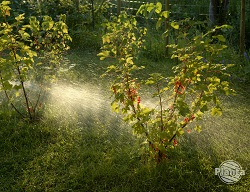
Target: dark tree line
(218, 10)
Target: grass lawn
(81, 145)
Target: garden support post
(118, 8)
(242, 26)
(93, 13)
(167, 27)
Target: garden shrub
(29, 52)
(195, 88)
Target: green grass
(81, 145)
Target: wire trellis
(178, 10)
(195, 9)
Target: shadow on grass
(20, 143)
(99, 160)
(99, 154)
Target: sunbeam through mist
(84, 104)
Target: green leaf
(115, 107)
(175, 25)
(20, 17)
(165, 14)
(129, 60)
(28, 61)
(17, 94)
(225, 27)
(216, 111)
(63, 18)
(150, 82)
(141, 9)
(48, 23)
(199, 57)
(102, 58)
(212, 87)
(103, 55)
(158, 7)
(127, 118)
(5, 3)
(150, 7)
(198, 115)
(150, 14)
(111, 67)
(24, 69)
(146, 111)
(24, 35)
(64, 28)
(105, 39)
(216, 100)
(220, 38)
(34, 24)
(180, 132)
(159, 22)
(214, 80)
(198, 128)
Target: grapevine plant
(195, 88)
(29, 51)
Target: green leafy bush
(182, 98)
(29, 52)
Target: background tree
(218, 10)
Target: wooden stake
(242, 26)
(118, 8)
(167, 27)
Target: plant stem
(7, 96)
(138, 119)
(37, 101)
(25, 93)
(159, 95)
(22, 84)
